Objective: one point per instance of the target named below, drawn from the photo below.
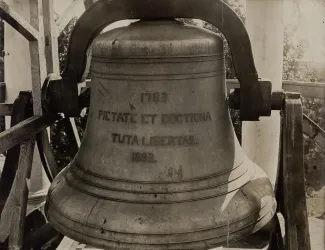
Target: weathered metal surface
(294, 202)
(277, 99)
(159, 166)
(215, 12)
(266, 99)
(60, 97)
(316, 227)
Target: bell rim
(264, 214)
(238, 234)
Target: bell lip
(236, 235)
(56, 218)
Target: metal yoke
(63, 93)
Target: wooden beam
(24, 130)
(306, 89)
(17, 22)
(75, 131)
(51, 38)
(293, 176)
(5, 109)
(68, 244)
(37, 54)
(19, 196)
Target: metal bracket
(59, 95)
(266, 101)
(290, 186)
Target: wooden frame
(16, 204)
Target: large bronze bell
(159, 166)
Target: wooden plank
(17, 22)
(20, 194)
(75, 131)
(68, 244)
(294, 206)
(13, 214)
(51, 39)
(37, 54)
(5, 109)
(24, 130)
(306, 89)
(3, 86)
(21, 110)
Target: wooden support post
(293, 176)
(266, 30)
(2, 100)
(75, 131)
(20, 193)
(37, 54)
(51, 39)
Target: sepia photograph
(162, 124)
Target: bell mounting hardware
(102, 13)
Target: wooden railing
(306, 89)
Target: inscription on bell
(153, 119)
(156, 141)
(185, 118)
(173, 118)
(117, 116)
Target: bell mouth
(140, 224)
